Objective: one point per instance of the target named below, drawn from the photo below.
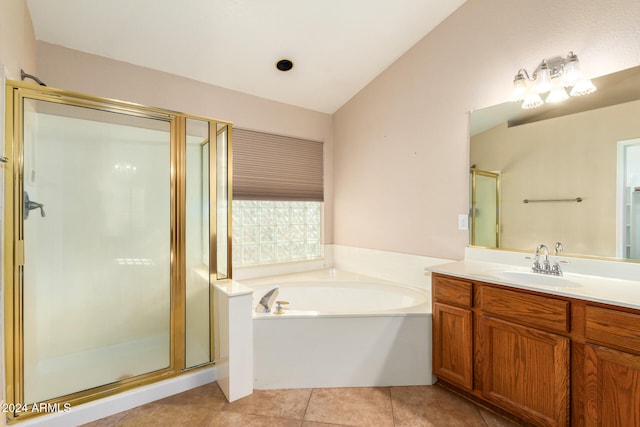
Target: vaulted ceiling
(337, 46)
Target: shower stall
(116, 224)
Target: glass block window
(266, 232)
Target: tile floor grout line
(304, 416)
(393, 416)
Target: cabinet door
(525, 371)
(452, 344)
(612, 387)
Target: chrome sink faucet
(546, 267)
(537, 268)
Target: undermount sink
(537, 279)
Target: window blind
(274, 167)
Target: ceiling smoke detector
(284, 65)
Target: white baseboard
(101, 408)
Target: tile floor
(206, 406)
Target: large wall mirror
(568, 172)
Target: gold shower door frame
(475, 173)
(13, 243)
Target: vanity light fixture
(554, 77)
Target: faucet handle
(279, 309)
(556, 270)
(536, 268)
(558, 249)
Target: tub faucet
(279, 308)
(267, 300)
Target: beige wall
(401, 145)
(73, 70)
(17, 42)
(565, 157)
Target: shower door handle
(30, 205)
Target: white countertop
(620, 292)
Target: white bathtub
(341, 330)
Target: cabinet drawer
(538, 311)
(616, 328)
(452, 290)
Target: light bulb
(519, 88)
(582, 87)
(572, 72)
(557, 94)
(532, 100)
(543, 78)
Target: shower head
(24, 75)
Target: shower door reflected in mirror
(485, 208)
(96, 248)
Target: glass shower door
(97, 248)
(485, 209)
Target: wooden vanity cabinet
(612, 387)
(525, 371)
(520, 357)
(453, 339)
(543, 359)
(612, 367)
(525, 359)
